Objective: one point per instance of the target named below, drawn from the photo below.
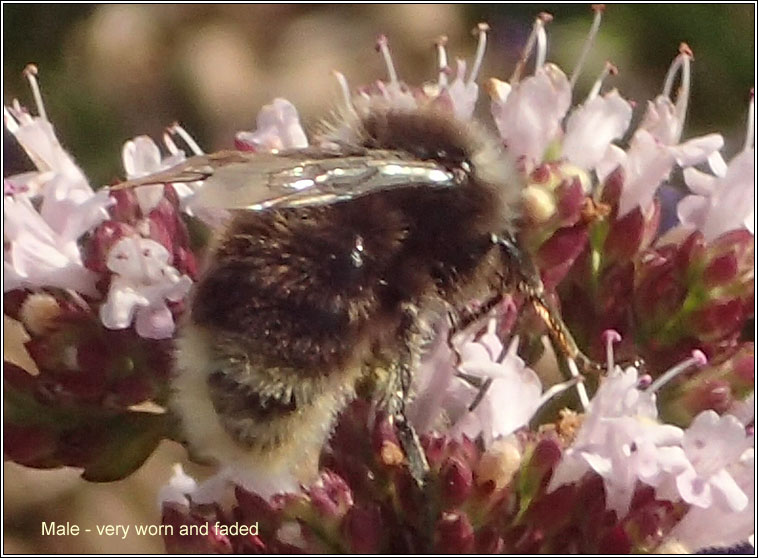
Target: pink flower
(463, 92)
(143, 281)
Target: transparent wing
(258, 181)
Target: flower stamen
(169, 142)
(750, 132)
(557, 389)
(442, 61)
(10, 121)
(680, 63)
(610, 336)
(576, 376)
(609, 69)
(588, 42)
(30, 72)
(345, 90)
(481, 47)
(382, 46)
(177, 129)
(697, 359)
(538, 36)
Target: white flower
(278, 128)
(36, 256)
(142, 157)
(178, 488)
(591, 127)
(528, 114)
(711, 444)
(512, 398)
(143, 281)
(36, 135)
(622, 441)
(41, 247)
(722, 202)
(718, 527)
(655, 148)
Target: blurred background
(111, 72)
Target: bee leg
(530, 284)
(417, 463)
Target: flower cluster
(521, 459)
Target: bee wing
(310, 177)
(268, 181)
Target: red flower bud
(454, 534)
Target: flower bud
(456, 480)
(454, 534)
(362, 527)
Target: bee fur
(295, 306)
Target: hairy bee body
(298, 304)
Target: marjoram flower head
(524, 446)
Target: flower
(178, 488)
(654, 148)
(37, 137)
(721, 201)
(622, 440)
(716, 526)
(41, 245)
(711, 444)
(278, 128)
(528, 114)
(35, 255)
(591, 127)
(142, 282)
(513, 396)
(648, 459)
